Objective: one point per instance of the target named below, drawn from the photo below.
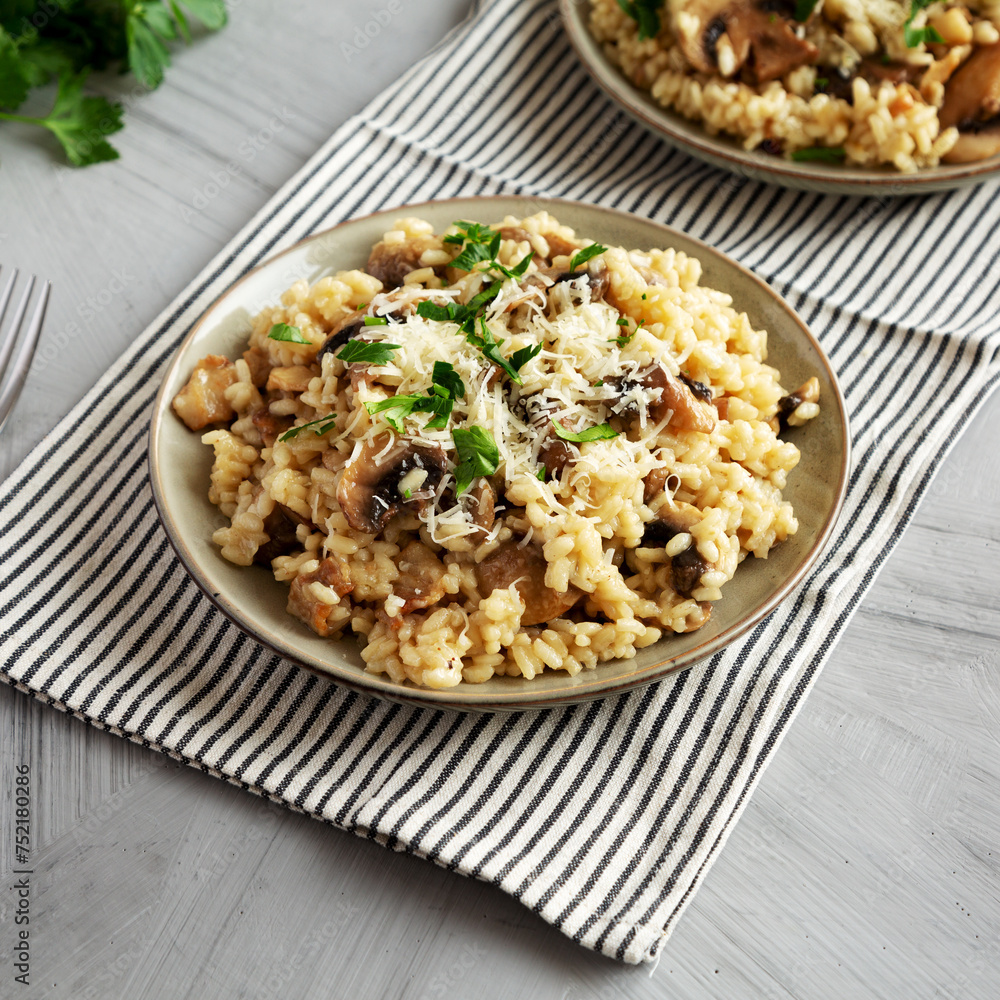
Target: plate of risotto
(869, 97)
(497, 453)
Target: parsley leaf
(65, 39)
(282, 331)
(478, 455)
(326, 423)
(914, 36)
(582, 256)
(361, 351)
(79, 123)
(447, 386)
(523, 355)
(646, 13)
(599, 432)
(447, 378)
(803, 8)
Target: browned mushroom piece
(599, 280)
(421, 578)
(760, 35)
(349, 328)
(282, 540)
(555, 454)
(671, 519)
(482, 505)
(376, 486)
(270, 426)
(683, 399)
(516, 233)
(808, 392)
(392, 262)
(524, 567)
(687, 567)
(972, 104)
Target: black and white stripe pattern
(604, 817)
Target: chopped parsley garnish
(825, 154)
(914, 36)
(478, 455)
(646, 13)
(282, 331)
(480, 245)
(822, 81)
(445, 376)
(326, 423)
(376, 321)
(541, 473)
(803, 8)
(447, 386)
(582, 256)
(599, 432)
(626, 335)
(360, 351)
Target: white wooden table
(867, 864)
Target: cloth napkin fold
(603, 818)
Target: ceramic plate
(726, 153)
(180, 465)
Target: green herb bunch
(64, 40)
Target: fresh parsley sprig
(646, 13)
(73, 37)
(914, 36)
(478, 455)
(318, 426)
(599, 432)
(446, 387)
(282, 331)
(587, 253)
(480, 245)
(363, 352)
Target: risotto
(499, 450)
(907, 83)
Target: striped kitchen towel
(603, 818)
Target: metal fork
(21, 334)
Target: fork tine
(15, 377)
(5, 294)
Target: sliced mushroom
(682, 398)
(392, 262)
(371, 487)
(270, 426)
(282, 540)
(599, 280)
(726, 36)
(808, 392)
(671, 519)
(349, 328)
(972, 104)
(524, 567)
(482, 506)
(554, 453)
(687, 567)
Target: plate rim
(724, 153)
(463, 697)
